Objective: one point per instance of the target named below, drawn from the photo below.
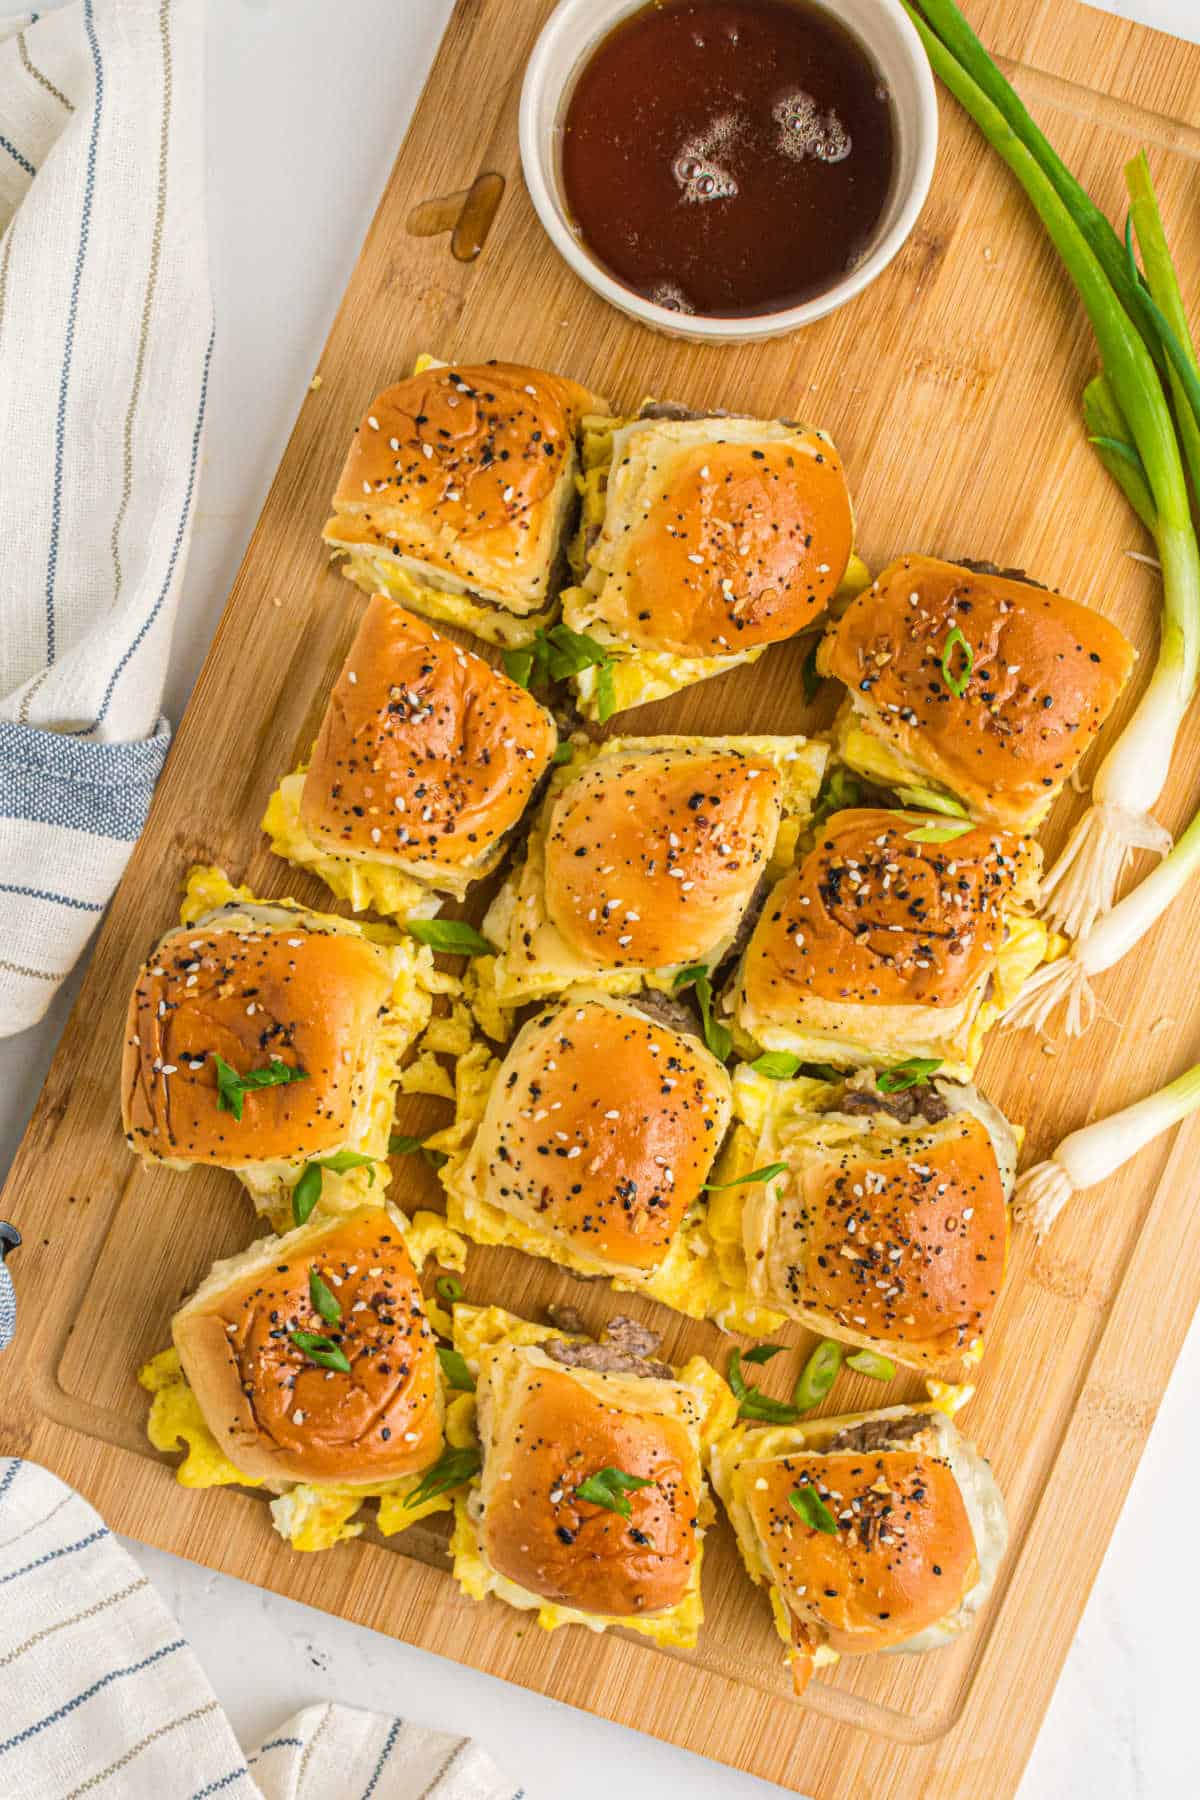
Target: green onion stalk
(1113, 935)
(1138, 326)
(1087, 1157)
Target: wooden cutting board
(952, 389)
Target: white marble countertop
(304, 123)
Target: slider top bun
(903, 1556)
(720, 535)
(653, 857)
(874, 918)
(547, 1429)
(466, 471)
(1046, 672)
(426, 755)
(253, 994)
(601, 1128)
(886, 1235)
(278, 1414)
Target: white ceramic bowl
(573, 31)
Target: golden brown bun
(603, 1127)
(426, 754)
(538, 1533)
(874, 918)
(1000, 747)
(900, 1246)
(462, 469)
(653, 857)
(299, 1421)
(310, 999)
(904, 1560)
(733, 545)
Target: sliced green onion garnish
(322, 1351)
(768, 1173)
(812, 1509)
(452, 936)
(717, 1036)
(869, 1362)
(454, 1368)
(956, 649)
(449, 1287)
(232, 1088)
(452, 1469)
(780, 1065)
(910, 1074)
(818, 1375)
(929, 800)
(324, 1300)
(938, 834)
(762, 1353)
(752, 1402)
(608, 1488)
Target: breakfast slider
(878, 1531)
(899, 935)
(885, 1221)
(590, 1505)
(308, 1365)
(267, 1039)
(591, 1144)
(459, 493)
(425, 761)
(645, 859)
(704, 538)
(971, 690)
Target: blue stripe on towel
(53, 778)
(62, 1712)
(16, 155)
(180, 533)
(53, 1555)
(60, 428)
(276, 1744)
(9, 1476)
(388, 1747)
(215, 1787)
(93, 906)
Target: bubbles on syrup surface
(672, 296)
(807, 130)
(699, 175)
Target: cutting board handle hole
(467, 215)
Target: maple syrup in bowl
(728, 169)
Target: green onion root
(1091, 1155)
(1105, 942)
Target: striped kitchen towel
(99, 1693)
(105, 339)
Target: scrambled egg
(703, 1274)
(477, 1329)
(309, 1516)
(518, 913)
(415, 983)
(638, 675)
(366, 885)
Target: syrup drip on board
(728, 157)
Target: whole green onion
(1083, 883)
(1089, 1156)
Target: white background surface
(305, 121)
